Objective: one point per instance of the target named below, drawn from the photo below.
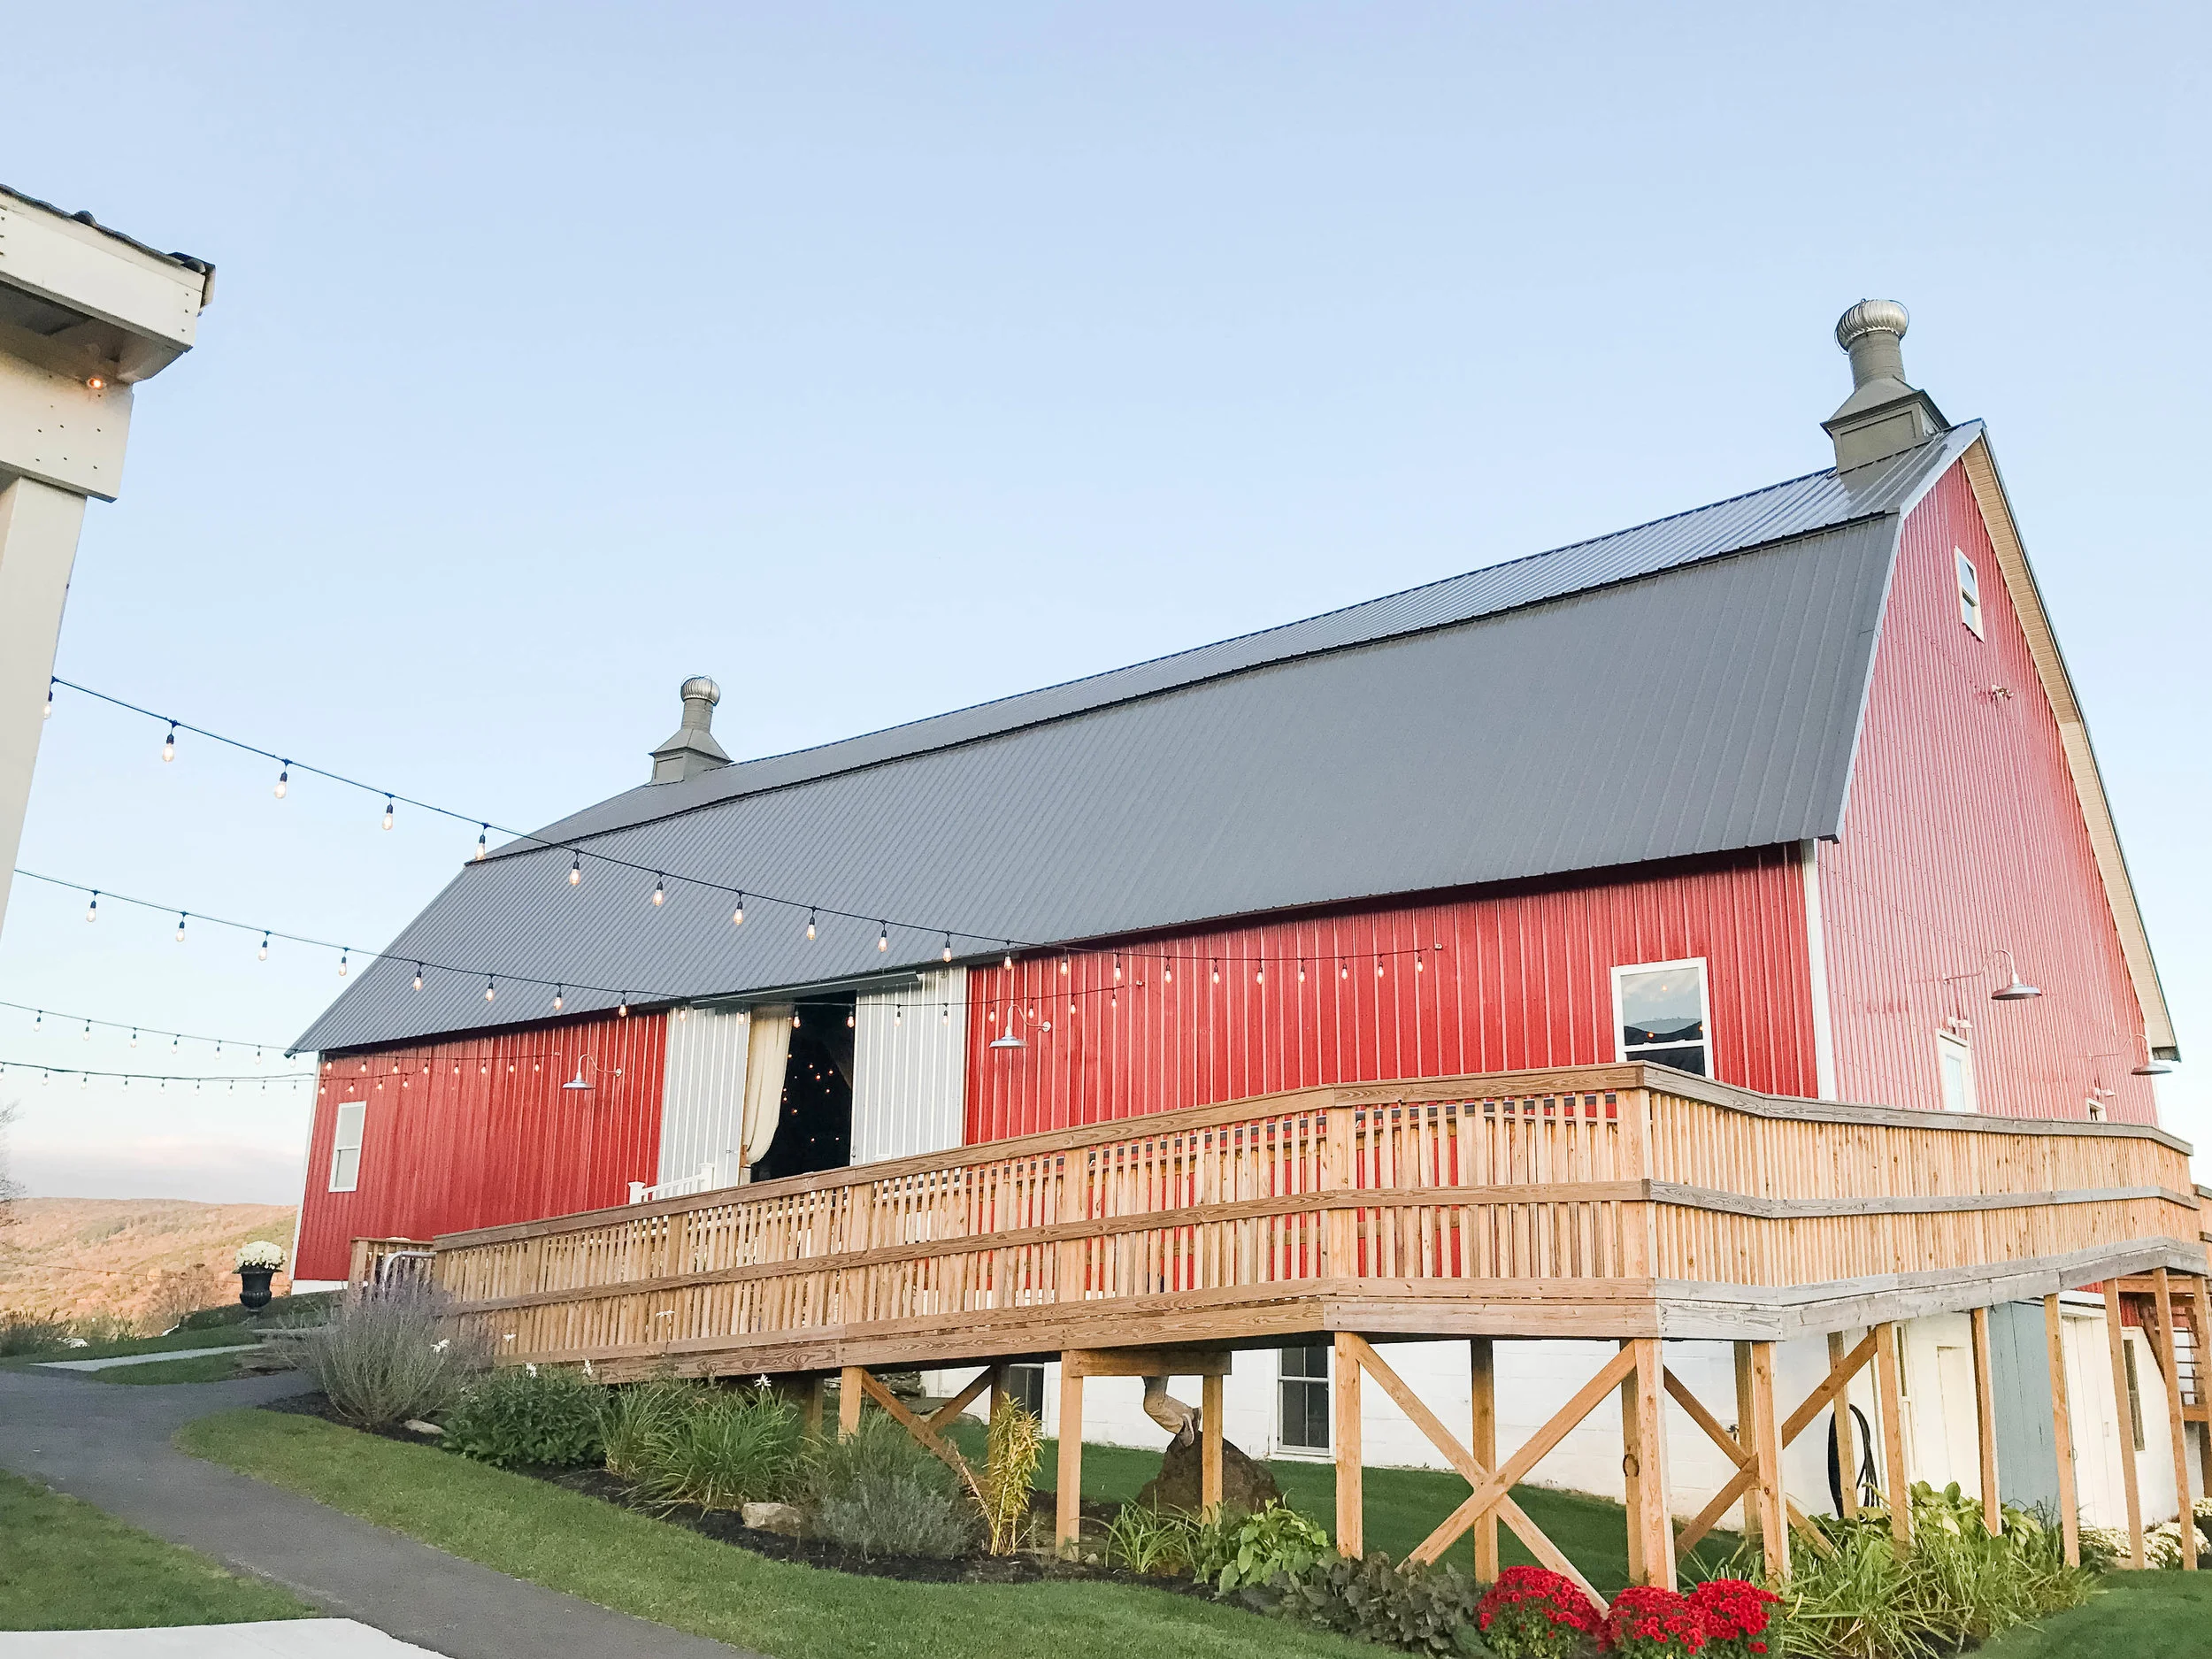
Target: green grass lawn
(567, 1541)
(2133, 1615)
(65, 1566)
(202, 1368)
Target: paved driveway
(109, 1446)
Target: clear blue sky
(879, 361)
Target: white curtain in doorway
(765, 1055)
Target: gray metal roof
(1690, 686)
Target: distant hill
(145, 1260)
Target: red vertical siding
(1964, 835)
(1524, 980)
(478, 1131)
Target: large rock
(1245, 1485)
(774, 1518)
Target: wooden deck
(1613, 1201)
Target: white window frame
(1948, 1046)
(1968, 580)
(1622, 1053)
(1284, 1448)
(346, 1178)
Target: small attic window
(1970, 593)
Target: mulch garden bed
(725, 1527)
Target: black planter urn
(253, 1287)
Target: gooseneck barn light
(2015, 989)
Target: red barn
(1791, 791)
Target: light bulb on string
(948, 947)
(557, 998)
(418, 976)
(883, 936)
(1301, 970)
(622, 1008)
(849, 1022)
(576, 870)
(49, 701)
(134, 1036)
(284, 779)
(168, 743)
(794, 1020)
(180, 927)
(1064, 966)
(88, 1031)
(483, 835)
(263, 953)
(1008, 963)
(1379, 967)
(1259, 976)
(809, 925)
(1217, 967)
(491, 989)
(660, 891)
(92, 910)
(737, 916)
(1167, 970)
(345, 961)
(388, 811)
(1343, 971)
(1116, 967)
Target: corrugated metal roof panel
(1710, 708)
(1817, 500)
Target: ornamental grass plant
(723, 1450)
(1144, 1538)
(878, 1493)
(389, 1352)
(1011, 1450)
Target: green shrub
(280, 1308)
(1233, 1550)
(722, 1450)
(390, 1353)
(31, 1333)
(1415, 1609)
(1146, 1539)
(1010, 1453)
(547, 1415)
(877, 1492)
(1958, 1585)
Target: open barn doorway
(815, 1128)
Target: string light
(810, 925)
(948, 947)
(388, 811)
(92, 910)
(418, 976)
(883, 936)
(1167, 972)
(168, 743)
(622, 1008)
(737, 916)
(576, 870)
(88, 1031)
(1008, 963)
(84, 1075)
(660, 891)
(344, 961)
(491, 989)
(49, 701)
(1216, 973)
(483, 835)
(284, 779)
(263, 953)
(1116, 967)
(557, 998)
(180, 927)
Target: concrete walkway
(111, 1447)
(278, 1639)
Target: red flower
(1537, 1614)
(1646, 1619)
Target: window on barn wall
(1025, 1386)
(1659, 1008)
(1970, 593)
(345, 1146)
(1955, 1067)
(1302, 1403)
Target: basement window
(1659, 1009)
(1025, 1387)
(1970, 593)
(345, 1147)
(1302, 1400)
(1955, 1070)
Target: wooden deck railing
(1604, 1202)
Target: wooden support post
(1986, 1424)
(1890, 1386)
(812, 1405)
(2063, 1431)
(1209, 1443)
(1632, 1466)
(850, 1391)
(1651, 1522)
(1068, 1499)
(1745, 1413)
(2115, 1344)
(1351, 1509)
(2176, 1430)
(1761, 1436)
(1482, 1377)
(1847, 1437)
(2203, 1351)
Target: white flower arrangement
(258, 1255)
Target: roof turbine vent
(1884, 414)
(693, 750)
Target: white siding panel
(910, 1067)
(702, 1095)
